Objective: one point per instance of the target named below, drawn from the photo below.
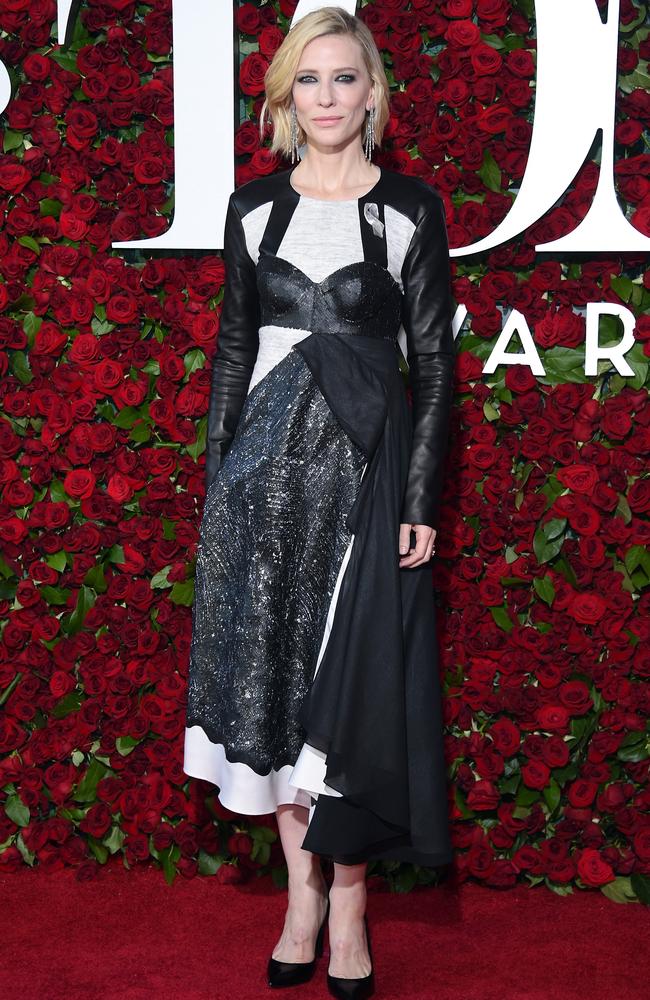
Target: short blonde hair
(279, 77)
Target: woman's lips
(327, 121)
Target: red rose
(638, 496)
(555, 752)
(593, 870)
(536, 774)
(587, 608)
(506, 736)
(579, 478)
(79, 483)
(14, 177)
(229, 874)
(251, 74)
(483, 796)
(462, 33)
(581, 793)
(552, 718)
(97, 820)
(576, 697)
(641, 844)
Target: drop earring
(370, 134)
(294, 134)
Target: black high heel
(295, 973)
(354, 989)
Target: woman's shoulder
(258, 191)
(408, 194)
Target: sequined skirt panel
(272, 537)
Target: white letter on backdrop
(499, 356)
(615, 352)
(575, 96)
(204, 47)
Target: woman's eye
(342, 76)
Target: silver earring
(294, 134)
(370, 133)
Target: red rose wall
(542, 574)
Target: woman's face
(332, 91)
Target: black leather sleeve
(427, 319)
(237, 343)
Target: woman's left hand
(425, 544)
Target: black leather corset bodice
(361, 298)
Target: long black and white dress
(313, 674)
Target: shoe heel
(354, 989)
(280, 974)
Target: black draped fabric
(374, 704)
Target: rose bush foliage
(543, 570)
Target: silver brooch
(371, 215)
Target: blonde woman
(313, 681)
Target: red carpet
(130, 936)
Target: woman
(313, 684)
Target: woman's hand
(425, 539)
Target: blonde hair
(280, 76)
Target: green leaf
(640, 885)
(50, 207)
(28, 856)
(490, 172)
(526, 796)
(405, 879)
(183, 593)
(261, 852)
(208, 864)
(54, 595)
(125, 745)
(96, 579)
(490, 412)
(31, 325)
(17, 811)
(71, 624)
(57, 560)
(20, 367)
(12, 140)
(65, 59)
(622, 285)
(30, 243)
(140, 433)
(636, 752)
(263, 833)
(168, 857)
(194, 360)
(552, 794)
(198, 447)
(544, 588)
(546, 549)
(620, 890)
(86, 790)
(159, 580)
(114, 840)
(637, 555)
(128, 416)
(71, 702)
(554, 527)
(559, 888)
(98, 849)
(501, 618)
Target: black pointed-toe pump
(354, 989)
(295, 973)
